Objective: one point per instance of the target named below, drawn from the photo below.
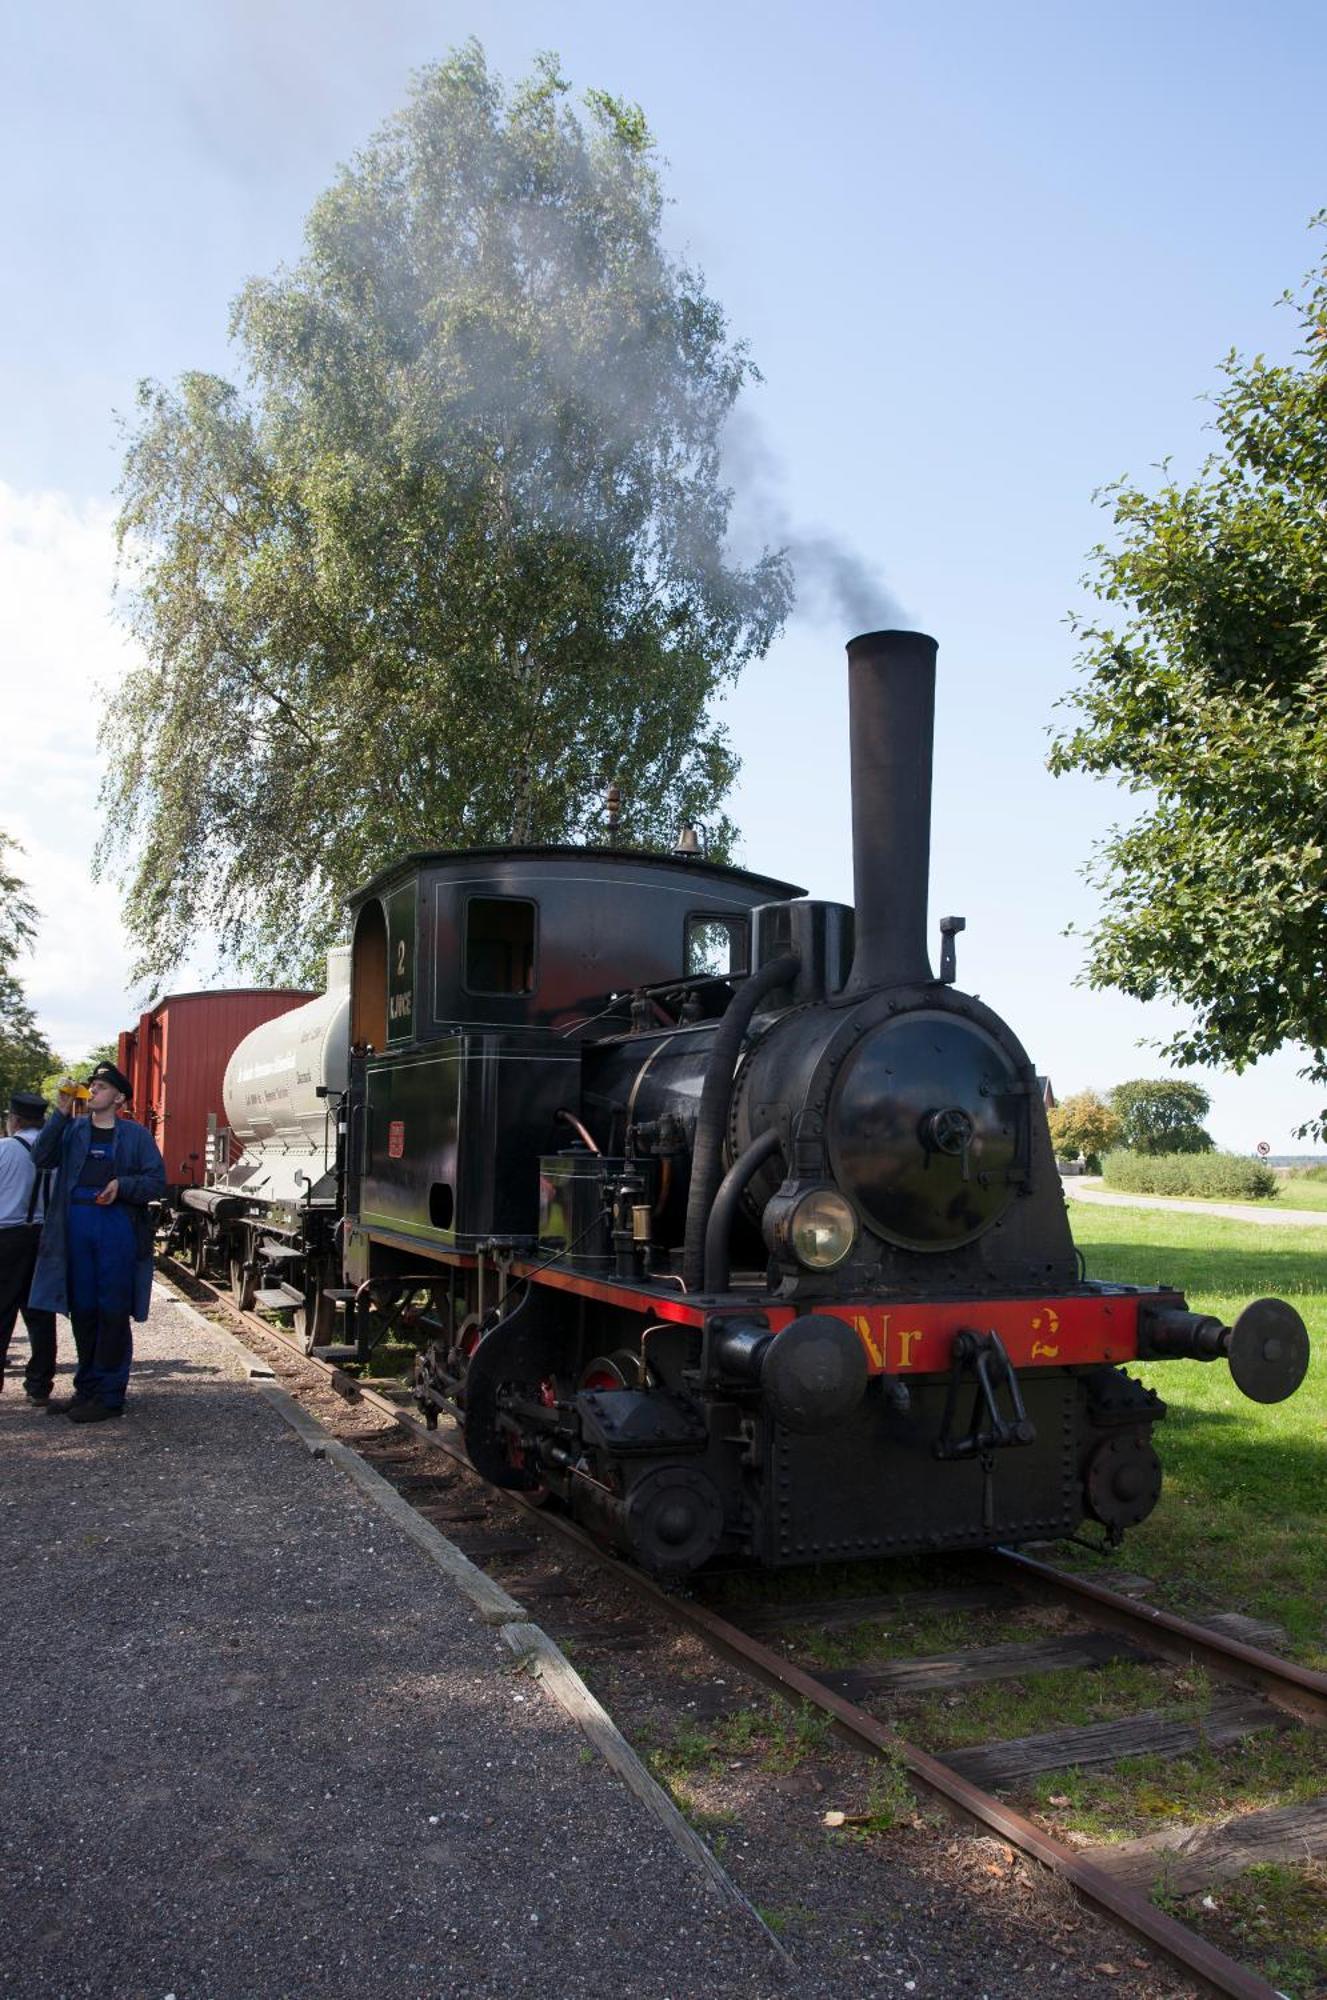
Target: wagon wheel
(198, 1252)
(243, 1281)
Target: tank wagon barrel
(278, 1081)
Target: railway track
(1257, 1691)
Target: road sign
(1263, 1148)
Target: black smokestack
(891, 720)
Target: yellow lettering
(906, 1342)
(862, 1328)
(1049, 1353)
(1047, 1318)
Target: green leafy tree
(24, 1053)
(456, 556)
(1205, 691)
(18, 915)
(79, 1071)
(1084, 1127)
(1162, 1115)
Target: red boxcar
(176, 1057)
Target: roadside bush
(1216, 1176)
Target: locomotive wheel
(531, 1345)
(243, 1282)
(539, 1495)
(468, 1335)
(604, 1372)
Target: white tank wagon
(268, 1219)
(280, 1092)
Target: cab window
(717, 946)
(499, 945)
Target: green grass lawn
(1301, 1194)
(1241, 1525)
(1242, 1520)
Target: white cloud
(61, 657)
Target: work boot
(89, 1412)
(36, 1395)
(60, 1406)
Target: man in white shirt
(21, 1212)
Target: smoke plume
(835, 583)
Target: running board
(278, 1298)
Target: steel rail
(1300, 1690)
(1208, 1966)
(1203, 1962)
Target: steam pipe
(891, 719)
(715, 1096)
(586, 1138)
(719, 1228)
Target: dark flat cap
(107, 1073)
(28, 1104)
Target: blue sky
(987, 259)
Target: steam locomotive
(715, 1213)
(723, 1219)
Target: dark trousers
(18, 1254)
(102, 1254)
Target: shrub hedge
(1219, 1176)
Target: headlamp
(822, 1229)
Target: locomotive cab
(476, 981)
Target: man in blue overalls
(95, 1262)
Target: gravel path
(1233, 1211)
(257, 1747)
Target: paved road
(1080, 1188)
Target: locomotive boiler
(718, 1214)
